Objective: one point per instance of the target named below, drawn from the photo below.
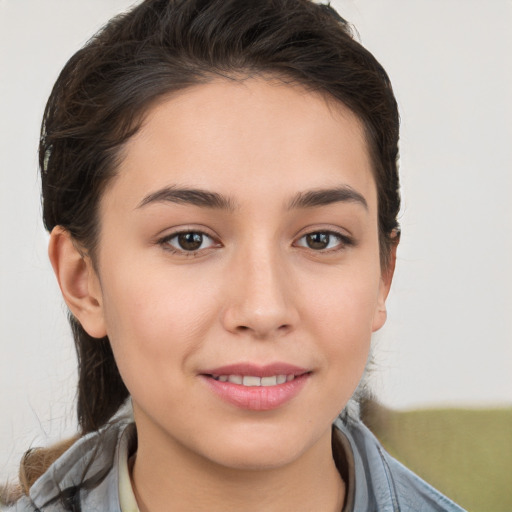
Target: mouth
(257, 388)
(253, 380)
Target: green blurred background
(465, 453)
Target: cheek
(340, 317)
(154, 330)
(156, 320)
(345, 331)
(345, 300)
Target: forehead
(246, 137)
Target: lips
(253, 380)
(257, 388)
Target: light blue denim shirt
(88, 473)
(382, 484)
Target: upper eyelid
(170, 236)
(337, 234)
(344, 241)
(172, 232)
(343, 233)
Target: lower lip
(257, 398)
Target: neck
(174, 475)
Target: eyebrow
(207, 199)
(192, 196)
(324, 197)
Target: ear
(78, 282)
(386, 278)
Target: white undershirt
(126, 497)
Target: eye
(323, 240)
(188, 241)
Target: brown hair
(162, 46)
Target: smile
(256, 388)
(254, 381)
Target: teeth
(252, 381)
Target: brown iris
(190, 241)
(318, 240)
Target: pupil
(317, 240)
(190, 241)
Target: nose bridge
(260, 300)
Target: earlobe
(78, 282)
(380, 316)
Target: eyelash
(344, 241)
(166, 242)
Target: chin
(261, 450)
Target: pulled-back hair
(163, 46)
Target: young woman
(220, 184)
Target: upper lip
(256, 370)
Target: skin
(253, 292)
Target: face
(238, 272)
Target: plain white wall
(448, 337)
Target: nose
(260, 303)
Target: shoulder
(87, 473)
(384, 484)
